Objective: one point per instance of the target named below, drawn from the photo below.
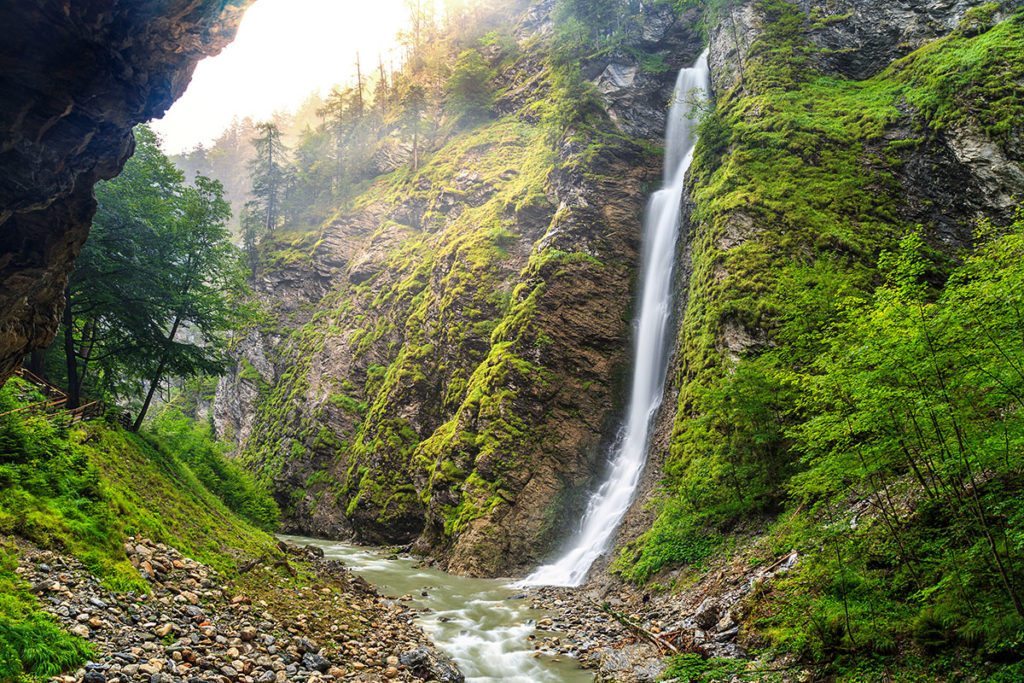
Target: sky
(285, 50)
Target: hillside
(409, 321)
(143, 533)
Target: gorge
(687, 332)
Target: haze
(285, 50)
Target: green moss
(348, 403)
(247, 372)
(83, 490)
(31, 643)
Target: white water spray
(610, 502)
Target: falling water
(610, 502)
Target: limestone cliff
(77, 77)
(446, 360)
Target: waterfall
(652, 342)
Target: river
(480, 623)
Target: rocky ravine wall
(447, 360)
(77, 76)
(942, 180)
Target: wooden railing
(54, 403)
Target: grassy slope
(83, 490)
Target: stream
(478, 622)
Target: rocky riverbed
(624, 634)
(301, 618)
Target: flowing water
(610, 502)
(478, 622)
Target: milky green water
(476, 621)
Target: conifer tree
(269, 173)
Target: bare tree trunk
(155, 380)
(359, 85)
(71, 359)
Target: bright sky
(285, 49)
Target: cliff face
(76, 78)
(838, 128)
(453, 377)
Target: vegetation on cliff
(848, 372)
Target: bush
(193, 443)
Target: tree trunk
(37, 363)
(416, 145)
(74, 388)
(155, 380)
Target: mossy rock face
(802, 178)
(466, 352)
(463, 336)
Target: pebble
(193, 628)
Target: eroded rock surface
(77, 76)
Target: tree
(269, 173)
(159, 262)
(110, 300)
(202, 271)
(252, 232)
(414, 101)
(584, 26)
(470, 91)
(382, 91)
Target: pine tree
(269, 173)
(470, 93)
(414, 101)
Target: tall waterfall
(609, 503)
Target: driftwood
(248, 566)
(664, 645)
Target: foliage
(269, 169)
(696, 669)
(31, 643)
(470, 91)
(195, 445)
(82, 490)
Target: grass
(83, 489)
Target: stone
(67, 123)
(94, 676)
(315, 662)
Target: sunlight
(285, 50)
